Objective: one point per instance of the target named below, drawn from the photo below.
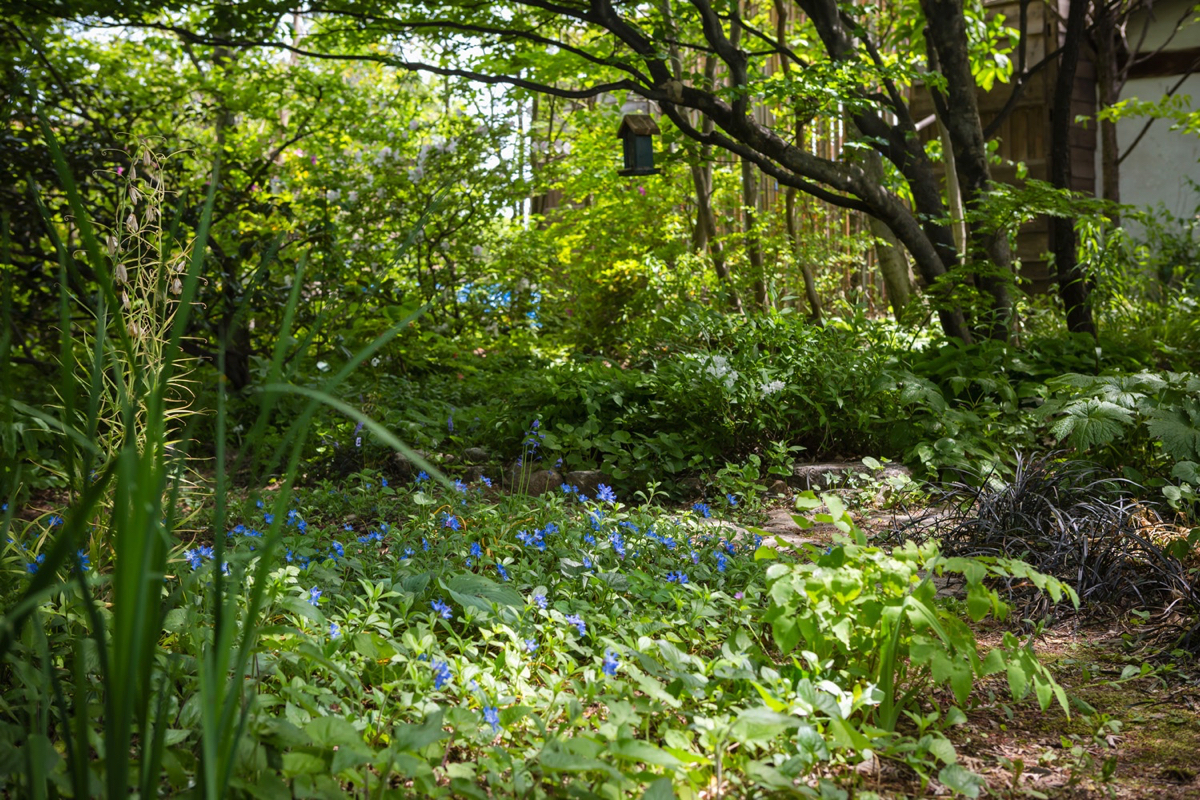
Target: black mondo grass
(1073, 520)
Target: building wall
(1159, 169)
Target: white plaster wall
(1158, 169)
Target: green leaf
(760, 725)
(1091, 423)
(415, 738)
(476, 591)
(961, 780)
(764, 553)
(642, 752)
(1179, 429)
(661, 789)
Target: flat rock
(835, 473)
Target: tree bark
(806, 271)
(1073, 287)
(1107, 72)
(950, 54)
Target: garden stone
(406, 468)
(475, 455)
(542, 481)
(830, 475)
(587, 481)
(779, 488)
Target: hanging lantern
(635, 133)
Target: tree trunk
(1072, 283)
(810, 282)
(1106, 81)
(893, 266)
(959, 110)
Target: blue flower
(702, 509)
(348, 527)
(721, 561)
(288, 555)
(611, 662)
(459, 486)
(606, 494)
(587, 562)
(268, 518)
(32, 566)
(582, 497)
(677, 577)
(409, 552)
(441, 674)
(486, 481)
(422, 476)
(618, 543)
(568, 489)
(84, 561)
(424, 544)
(384, 482)
(539, 600)
(531, 645)
(503, 572)
(731, 499)
(492, 717)
(450, 521)
(476, 552)
(314, 595)
(580, 625)
(193, 558)
(441, 608)
(334, 631)
(337, 548)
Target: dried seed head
(151, 214)
(125, 300)
(121, 276)
(131, 223)
(134, 196)
(132, 173)
(177, 287)
(146, 157)
(112, 244)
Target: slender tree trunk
(893, 266)
(750, 202)
(1106, 81)
(806, 271)
(1072, 283)
(750, 230)
(959, 110)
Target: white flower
(478, 251)
(718, 370)
(415, 174)
(323, 366)
(375, 361)
(332, 195)
(771, 387)
(353, 197)
(412, 126)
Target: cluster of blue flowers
(196, 557)
(676, 576)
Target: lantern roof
(637, 125)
